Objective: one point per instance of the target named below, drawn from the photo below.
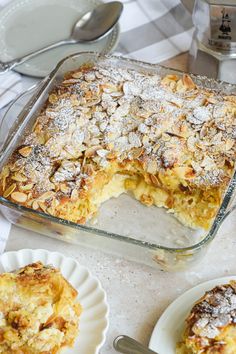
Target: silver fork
(127, 345)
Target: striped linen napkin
(151, 30)
(154, 30)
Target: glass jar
(213, 49)
(215, 24)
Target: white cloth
(151, 30)
(10, 87)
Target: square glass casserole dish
(124, 226)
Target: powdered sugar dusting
(104, 112)
(216, 310)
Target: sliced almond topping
(3, 175)
(137, 152)
(188, 82)
(38, 129)
(42, 206)
(3, 184)
(74, 195)
(36, 122)
(165, 137)
(41, 139)
(172, 85)
(46, 195)
(35, 205)
(29, 202)
(172, 77)
(69, 152)
(156, 147)
(19, 177)
(26, 187)
(145, 139)
(208, 163)
(92, 151)
(9, 190)
(102, 152)
(19, 197)
(74, 100)
(29, 195)
(211, 100)
(25, 151)
(169, 78)
(155, 180)
(109, 87)
(123, 128)
(5, 172)
(77, 75)
(93, 102)
(191, 143)
(15, 167)
(229, 144)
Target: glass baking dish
(124, 226)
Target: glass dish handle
(4, 132)
(228, 212)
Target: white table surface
(138, 294)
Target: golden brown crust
(174, 139)
(38, 311)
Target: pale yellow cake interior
(39, 311)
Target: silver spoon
(90, 27)
(128, 345)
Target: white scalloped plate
(94, 318)
(169, 328)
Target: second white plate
(27, 25)
(169, 328)
(94, 318)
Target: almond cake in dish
(211, 325)
(109, 130)
(38, 311)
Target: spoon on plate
(127, 345)
(92, 26)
